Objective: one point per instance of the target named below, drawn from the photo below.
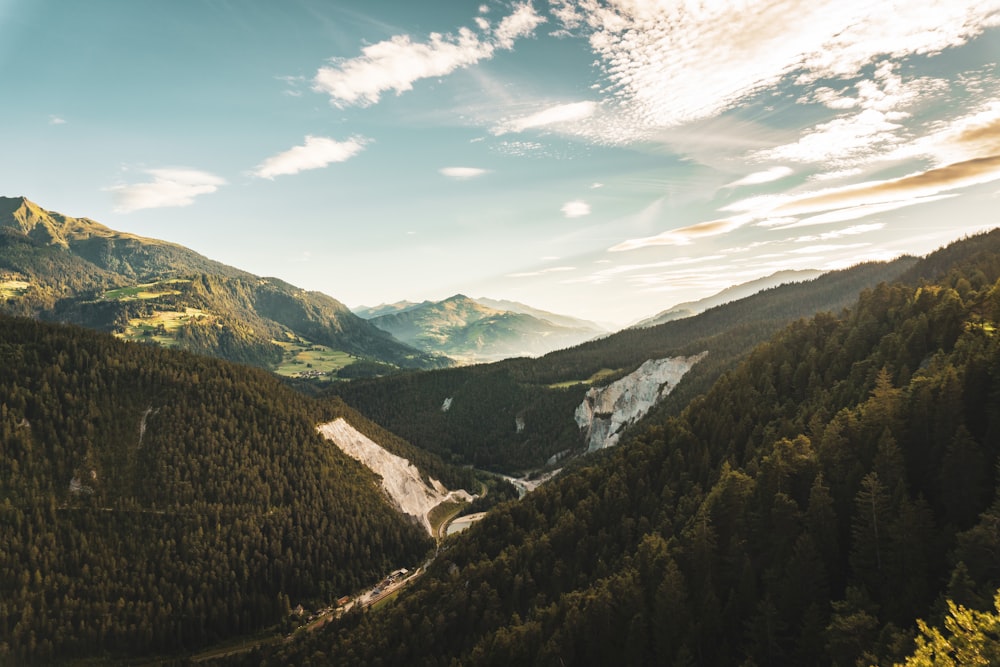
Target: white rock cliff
(401, 480)
(606, 411)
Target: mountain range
(60, 268)
(689, 308)
(478, 330)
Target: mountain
(469, 331)
(518, 414)
(368, 312)
(76, 270)
(689, 308)
(555, 318)
(839, 483)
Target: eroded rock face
(401, 480)
(605, 411)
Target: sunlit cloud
(575, 209)
(462, 173)
(168, 188)
(315, 153)
(397, 63)
(855, 212)
(685, 235)
(554, 115)
(541, 272)
(671, 63)
(840, 233)
(862, 199)
(920, 184)
(760, 177)
(875, 129)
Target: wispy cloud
(859, 200)
(921, 184)
(462, 173)
(575, 209)
(315, 153)
(397, 63)
(168, 188)
(541, 272)
(553, 115)
(760, 177)
(685, 235)
(56, 120)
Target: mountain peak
(30, 219)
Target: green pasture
(303, 358)
(145, 291)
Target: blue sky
(602, 158)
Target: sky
(599, 158)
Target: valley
(520, 496)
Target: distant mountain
(689, 308)
(55, 267)
(368, 312)
(555, 318)
(468, 330)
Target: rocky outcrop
(401, 480)
(606, 411)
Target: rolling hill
(59, 268)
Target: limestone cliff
(606, 411)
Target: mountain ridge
(78, 270)
(466, 329)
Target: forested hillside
(154, 501)
(516, 414)
(58, 268)
(840, 483)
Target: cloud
(840, 233)
(56, 120)
(168, 187)
(672, 63)
(554, 115)
(462, 173)
(315, 153)
(874, 130)
(685, 235)
(862, 199)
(759, 177)
(397, 63)
(920, 184)
(855, 212)
(542, 272)
(575, 209)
